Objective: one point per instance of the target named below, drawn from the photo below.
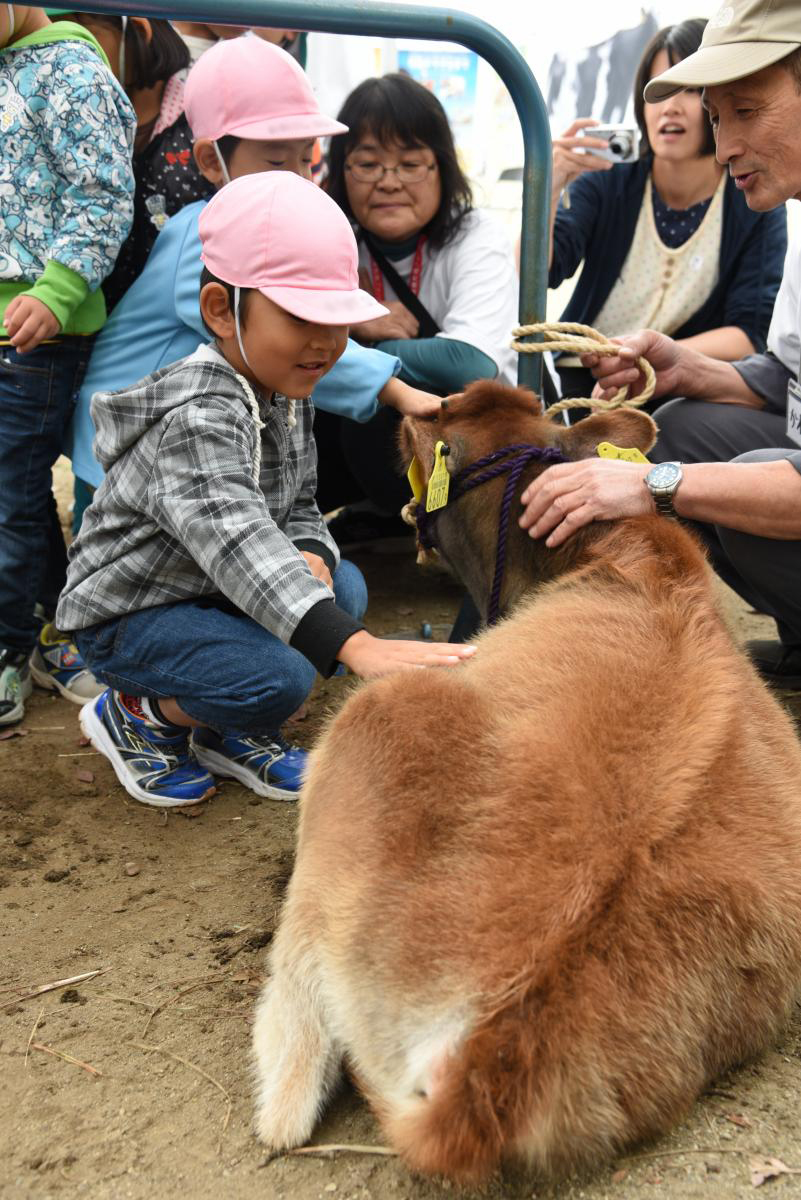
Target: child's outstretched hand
(370, 656)
(409, 401)
(28, 322)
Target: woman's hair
(396, 109)
(147, 62)
(244, 297)
(679, 41)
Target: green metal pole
(372, 18)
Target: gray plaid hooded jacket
(186, 511)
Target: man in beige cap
(748, 509)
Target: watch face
(663, 475)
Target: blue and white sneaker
(265, 763)
(154, 763)
(15, 686)
(56, 665)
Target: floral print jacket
(66, 181)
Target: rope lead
(582, 339)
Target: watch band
(664, 505)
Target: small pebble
(426, 631)
(55, 876)
(132, 868)
(24, 839)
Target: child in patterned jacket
(204, 586)
(66, 191)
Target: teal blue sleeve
(440, 364)
(188, 269)
(351, 387)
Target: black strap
(428, 326)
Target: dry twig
(193, 1067)
(126, 1000)
(179, 996)
(30, 1038)
(66, 1057)
(326, 1151)
(58, 983)
(686, 1150)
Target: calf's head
(488, 417)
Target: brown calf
(541, 899)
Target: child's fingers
(24, 338)
(437, 654)
(11, 318)
(29, 336)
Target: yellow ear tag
(439, 482)
(630, 454)
(415, 477)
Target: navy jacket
(599, 228)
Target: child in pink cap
(251, 109)
(204, 587)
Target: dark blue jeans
(222, 667)
(38, 391)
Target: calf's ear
(624, 427)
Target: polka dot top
(676, 225)
(662, 284)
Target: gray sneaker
(16, 686)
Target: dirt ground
(135, 1083)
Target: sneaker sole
(18, 711)
(46, 681)
(218, 764)
(98, 735)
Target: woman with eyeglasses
(445, 271)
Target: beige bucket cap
(740, 39)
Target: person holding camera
(666, 239)
(747, 509)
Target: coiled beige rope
(582, 339)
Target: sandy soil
(176, 910)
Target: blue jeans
(223, 668)
(38, 391)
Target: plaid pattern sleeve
(180, 513)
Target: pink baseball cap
(249, 88)
(283, 235)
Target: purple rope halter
(491, 466)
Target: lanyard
(414, 275)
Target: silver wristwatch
(662, 482)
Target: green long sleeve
(439, 364)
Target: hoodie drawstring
(253, 404)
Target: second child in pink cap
(251, 109)
(204, 587)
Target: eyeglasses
(366, 170)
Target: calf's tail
(538, 1079)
